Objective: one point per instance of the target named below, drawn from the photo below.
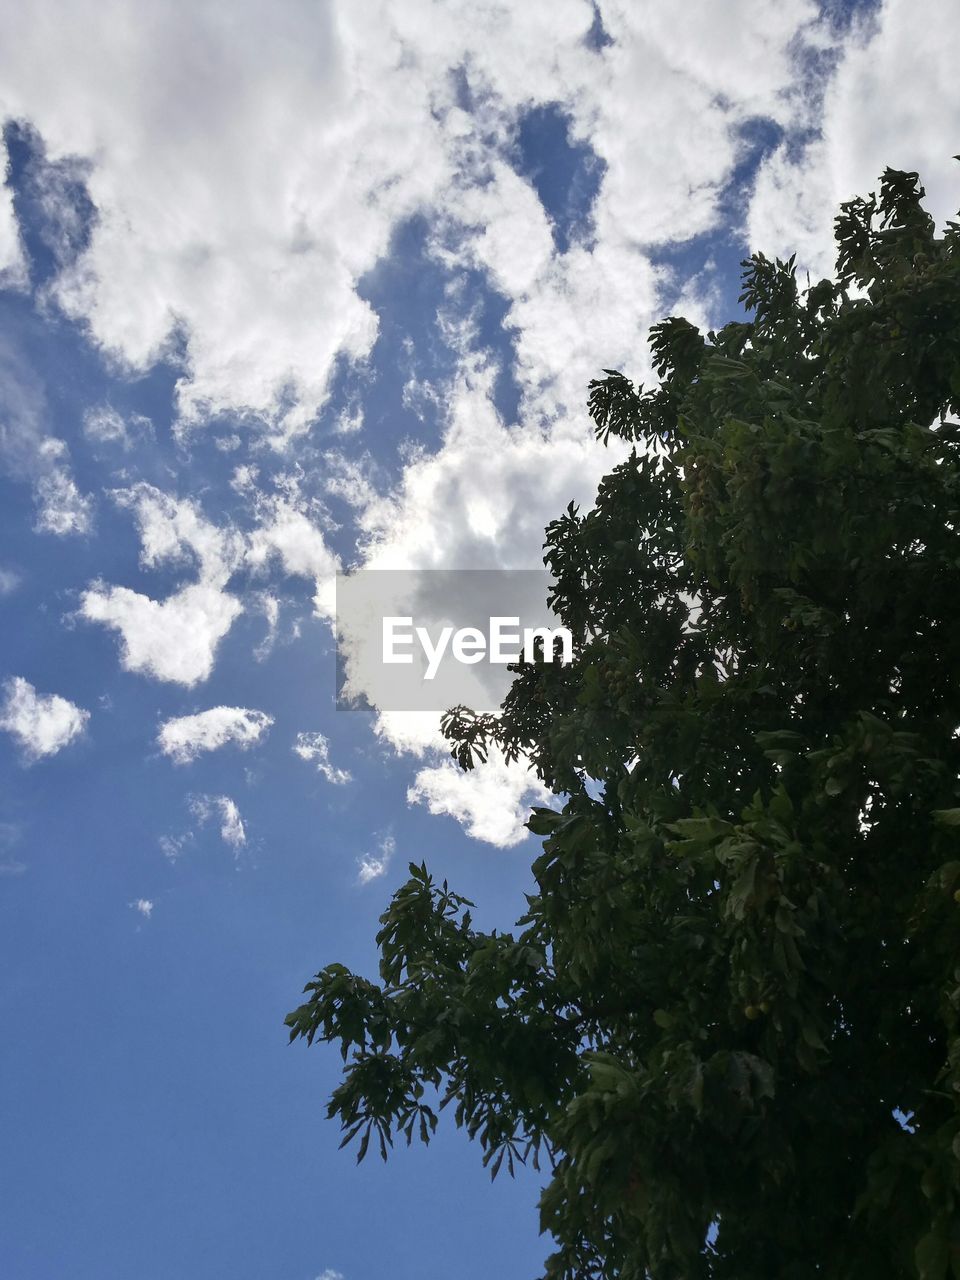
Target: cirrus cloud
(315, 748)
(233, 831)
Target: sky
(290, 289)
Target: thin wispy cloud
(315, 748)
(374, 865)
(232, 829)
(174, 846)
(29, 451)
(103, 425)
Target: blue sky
(284, 291)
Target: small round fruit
(751, 1012)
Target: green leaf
(932, 1257)
(543, 822)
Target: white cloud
(174, 639)
(185, 737)
(270, 607)
(204, 808)
(173, 846)
(61, 508)
(286, 533)
(374, 865)
(314, 747)
(244, 477)
(350, 422)
(329, 1275)
(483, 498)
(349, 479)
(29, 453)
(42, 723)
(281, 209)
(232, 829)
(13, 272)
(492, 802)
(9, 581)
(481, 501)
(103, 425)
(144, 906)
(892, 102)
(175, 530)
(200, 140)
(177, 638)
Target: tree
(730, 1019)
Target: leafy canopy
(728, 1021)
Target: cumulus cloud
(374, 865)
(200, 140)
(288, 535)
(177, 638)
(174, 639)
(9, 581)
(480, 502)
(257, 279)
(142, 905)
(42, 723)
(175, 530)
(890, 102)
(492, 802)
(278, 218)
(232, 829)
(315, 748)
(185, 737)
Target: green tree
(728, 1022)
